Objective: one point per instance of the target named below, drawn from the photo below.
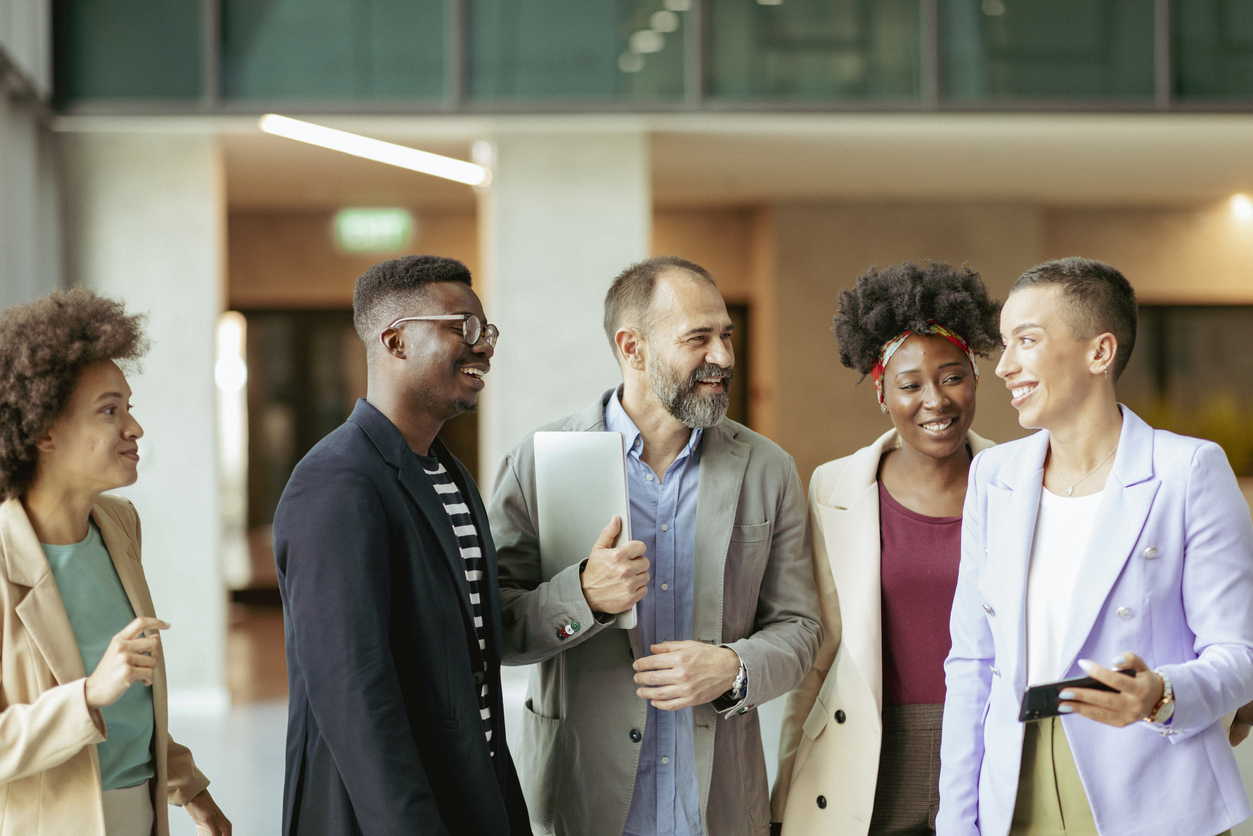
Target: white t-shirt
(1058, 551)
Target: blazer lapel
(723, 461)
(1129, 494)
(850, 524)
(41, 609)
(1013, 505)
(122, 550)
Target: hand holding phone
(1041, 701)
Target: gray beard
(681, 399)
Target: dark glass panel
(1213, 48)
(814, 49)
(576, 49)
(1046, 49)
(344, 50)
(134, 49)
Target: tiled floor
(242, 751)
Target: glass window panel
(141, 49)
(814, 49)
(1213, 45)
(576, 49)
(365, 50)
(1046, 49)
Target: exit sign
(373, 230)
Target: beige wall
(289, 259)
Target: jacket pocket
(539, 764)
(757, 533)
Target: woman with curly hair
(860, 746)
(80, 754)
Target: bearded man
(651, 731)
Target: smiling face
(1051, 373)
(929, 391)
(442, 374)
(92, 447)
(688, 360)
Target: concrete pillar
(146, 225)
(564, 214)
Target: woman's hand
(1133, 700)
(128, 659)
(1241, 725)
(207, 817)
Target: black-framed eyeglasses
(472, 330)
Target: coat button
(822, 802)
(840, 716)
(478, 677)
(1150, 553)
(988, 610)
(1125, 612)
(635, 735)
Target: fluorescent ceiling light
(377, 150)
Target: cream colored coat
(49, 770)
(820, 755)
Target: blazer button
(840, 716)
(1125, 612)
(635, 735)
(1150, 553)
(988, 610)
(478, 677)
(822, 802)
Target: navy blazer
(383, 730)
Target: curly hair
(44, 347)
(885, 303)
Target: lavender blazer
(1169, 575)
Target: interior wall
(288, 259)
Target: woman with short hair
(860, 745)
(80, 754)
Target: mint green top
(98, 609)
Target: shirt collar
(617, 421)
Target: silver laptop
(580, 484)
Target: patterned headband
(932, 328)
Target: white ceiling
(702, 159)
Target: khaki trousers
(1051, 800)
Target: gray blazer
(754, 593)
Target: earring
(884, 408)
(1107, 372)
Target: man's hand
(1134, 698)
(128, 659)
(208, 818)
(614, 580)
(1240, 726)
(683, 674)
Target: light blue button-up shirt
(666, 801)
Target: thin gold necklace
(1070, 491)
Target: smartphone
(1041, 701)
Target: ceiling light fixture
(1242, 207)
(377, 150)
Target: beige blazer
(582, 723)
(819, 754)
(49, 770)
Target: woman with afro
(83, 743)
(860, 746)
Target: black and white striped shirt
(467, 535)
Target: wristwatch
(1164, 711)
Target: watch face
(1165, 712)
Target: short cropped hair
(387, 290)
(1100, 300)
(905, 297)
(630, 297)
(44, 347)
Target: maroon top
(918, 568)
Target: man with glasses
(388, 578)
(652, 732)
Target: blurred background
(787, 145)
